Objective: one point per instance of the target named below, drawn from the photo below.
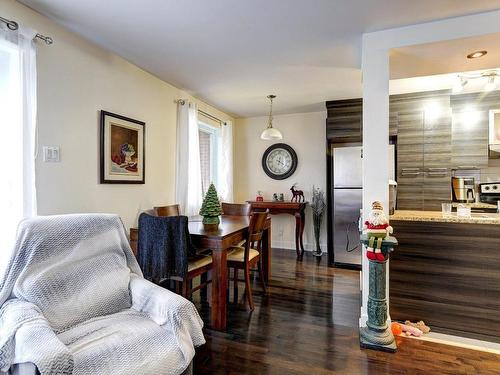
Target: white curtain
(18, 131)
(188, 191)
(225, 164)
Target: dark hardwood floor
(308, 324)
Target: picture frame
(122, 149)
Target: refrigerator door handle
(348, 230)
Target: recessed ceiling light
(476, 54)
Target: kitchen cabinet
(344, 122)
(437, 160)
(470, 129)
(410, 160)
(424, 160)
(423, 149)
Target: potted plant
(318, 206)
(211, 209)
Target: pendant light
(271, 133)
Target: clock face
(279, 161)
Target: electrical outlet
(51, 154)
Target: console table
(293, 208)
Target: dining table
(231, 231)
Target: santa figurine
(377, 228)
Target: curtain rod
(182, 102)
(13, 25)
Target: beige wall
(76, 79)
(305, 132)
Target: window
(17, 126)
(11, 188)
(209, 151)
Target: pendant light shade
(270, 133)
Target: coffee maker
(463, 189)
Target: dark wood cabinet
(410, 160)
(470, 129)
(424, 149)
(437, 159)
(447, 275)
(344, 121)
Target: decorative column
(377, 334)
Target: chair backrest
(163, 246)
(172, 210)
(255, 231)
(72, 267)
(236, 209)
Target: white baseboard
(363, 319)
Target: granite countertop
(476, 205)
(437, 216)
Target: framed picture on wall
(122, 152)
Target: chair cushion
(237, 254)
(199, 262)
(108, 345)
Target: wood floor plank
(308, 325)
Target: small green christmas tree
(211, 208)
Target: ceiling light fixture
(476, 54)
(270, 133)
(490, 85)
(459, 84)
(462, 80)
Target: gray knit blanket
(73, 301)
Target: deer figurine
(298, 195)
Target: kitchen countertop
(437, 216)
(476, 205)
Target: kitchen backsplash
(492, 173)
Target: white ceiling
(445, 57)
(233, 53)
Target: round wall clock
(279, 161)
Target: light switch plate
(51, 154)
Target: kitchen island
(446, 271)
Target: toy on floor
(396, 329)
(377, 228)
(411, 331)
(420, 325)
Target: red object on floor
(396, 329)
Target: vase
(317, 231)
(211, 223)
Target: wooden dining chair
(199, 265)
(172, 210)
(248, 256)
(236, 209)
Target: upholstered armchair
(73, 301)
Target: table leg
(266, 254)
(302, 225)
(298, 220)
(219, 289)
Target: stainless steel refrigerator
(348, 200)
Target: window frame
(214, 133)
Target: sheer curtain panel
(188, 191)
(18, 129)
(225, 164)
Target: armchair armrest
(27, 337)
(166, 309)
